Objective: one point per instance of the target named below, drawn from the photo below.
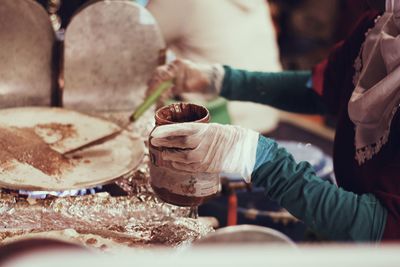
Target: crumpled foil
(138, 219)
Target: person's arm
(330, 211)
(288, 90)
(215, 148)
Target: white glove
(210, 148)
(189, 77)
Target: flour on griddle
(25, 146)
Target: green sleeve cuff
(286, 90)
(328, 210)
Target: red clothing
(333, 80)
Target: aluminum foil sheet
(135, 220)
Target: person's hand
(212, 148)
(188, 77)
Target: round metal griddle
(95, 165)
(111, 49)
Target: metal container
(246, 234)
(28, 71)
(111, 49)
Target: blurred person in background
(359, 83)
(307, 30)
(239, 33)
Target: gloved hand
(212, 148)
(188, 77)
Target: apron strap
(393, 6)
(390, 6)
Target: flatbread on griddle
(31, 154)
(64, 130)
(15, 172)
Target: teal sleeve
(330, 211)
(286, 90)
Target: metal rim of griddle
(96, 182)
(231, 234)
